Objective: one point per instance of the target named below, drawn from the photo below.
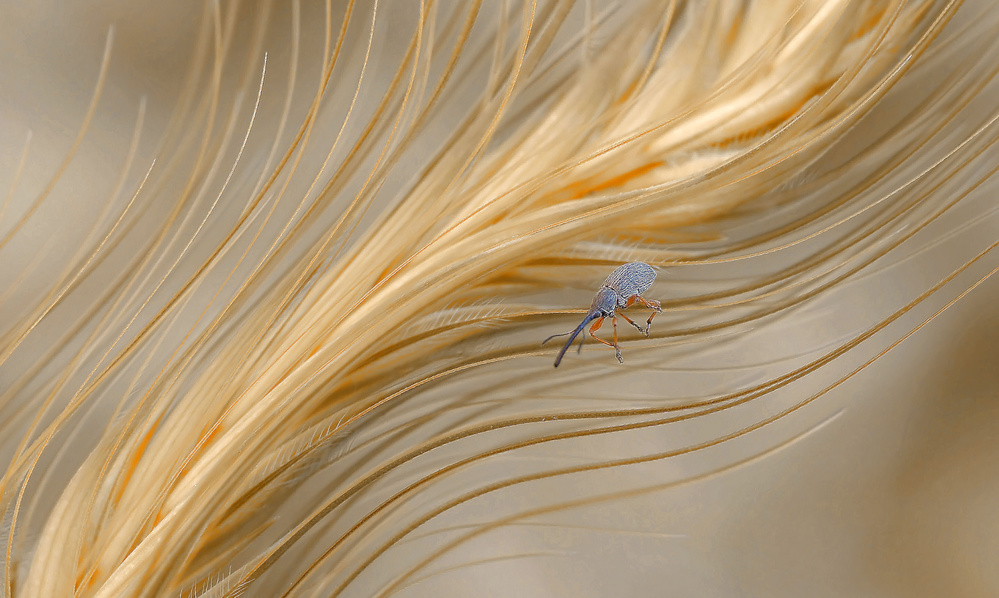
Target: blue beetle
(622, 289)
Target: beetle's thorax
(605, 301)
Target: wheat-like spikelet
(300, 337)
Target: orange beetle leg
(654, 306)
(596, 326)
(630, 321)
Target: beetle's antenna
(555, 335)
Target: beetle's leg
(596, 326)
(651, 304)
(640, 329)
(582, 337)
(617, 349)
(628, 303)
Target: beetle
(622, 289)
